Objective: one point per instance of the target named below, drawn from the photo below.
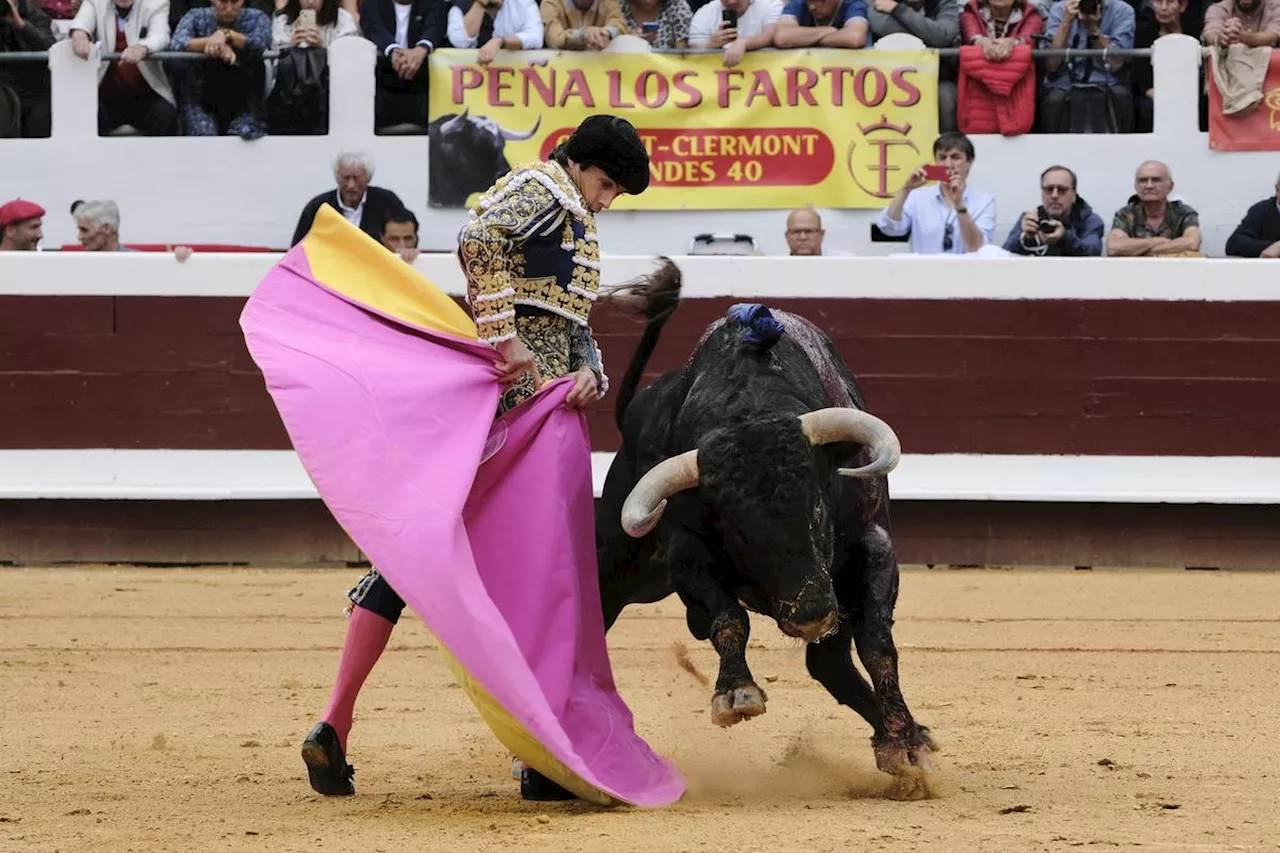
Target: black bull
(466, 154)
(751, 479)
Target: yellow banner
(833, 128)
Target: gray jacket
(934, 22)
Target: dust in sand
(681, 652)
(803, 771)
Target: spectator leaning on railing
(998, 26)
(25, 28)
(822, 23)
(934, 22)
(493, 25)
(581, 24)
(223, 94)
(662, 23)
(1064, 225)
(404, 32)
(131, 90)
(1252, 23)
(1086, 95)
(1258, 234)
(735, 26)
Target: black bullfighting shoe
(327, 766)
(539, 789)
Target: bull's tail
(654, 296)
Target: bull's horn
(456, 120)
(826, 426)
(643, 507)
(512, 136)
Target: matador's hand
(517, 359)
(584, 388)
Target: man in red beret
(20, 223)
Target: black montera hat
(613, 144)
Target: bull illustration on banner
(781, 130)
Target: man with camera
(1064, 225)
(735, 26)
(1086, 95)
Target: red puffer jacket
(996, 97)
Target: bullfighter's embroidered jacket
(531, 244)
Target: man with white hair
(98, 228)
(364, 206)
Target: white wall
(895, 277)
(229, 191)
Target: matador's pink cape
(483, 527)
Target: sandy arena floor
(149, 710)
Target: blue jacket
(1085, 230)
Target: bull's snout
(810, 631)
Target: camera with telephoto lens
(1088, 7)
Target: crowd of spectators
(238, 91)
(935, 210)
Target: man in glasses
(947, 216)
(1062, 226)
(805, 234)
(1152, 224)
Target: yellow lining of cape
(517, 739)
(349, 261)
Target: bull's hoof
(911, 765)
(904, 760)
(741, 703)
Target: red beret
(19, 211)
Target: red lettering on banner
(687, 89)
(546, 89)
(615, 90)
(800, 83)
(762, 87)
(577, 88)
(837, 83)
(497, 86)
(910, 92)
(687, 157)
(642, 89)
(724, 86)
(878, 81)
(465, 78)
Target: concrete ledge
(217, 475)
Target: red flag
(1256, 130)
